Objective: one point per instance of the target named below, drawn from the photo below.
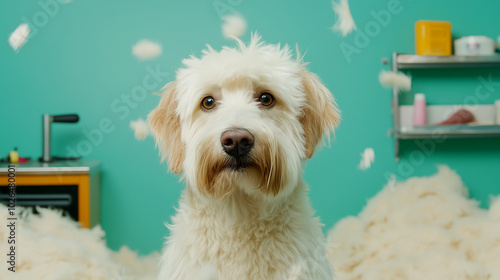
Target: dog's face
(243, 117)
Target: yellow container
(433, 38)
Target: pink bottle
(419, 110)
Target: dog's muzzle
(237, 142)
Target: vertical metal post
(47, 120)
(395, 109)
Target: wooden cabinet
(72, 186)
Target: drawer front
(63, 197)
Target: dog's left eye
(266, 99)
(208, 103)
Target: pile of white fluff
(423, 228)
(53, 247)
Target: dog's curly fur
(254, 222)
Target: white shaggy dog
(238, 125)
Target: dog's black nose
(237, 142)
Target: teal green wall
(80, 61)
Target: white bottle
(419, 110)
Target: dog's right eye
(208, 103)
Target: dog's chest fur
(246, 239)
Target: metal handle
(47, 121)
(71, 118)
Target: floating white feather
(345, 23)
(397, 80)
(19, 36)
(146, 49)
(234, 26)
(367, 158)
(140, 128)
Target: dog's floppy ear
(320, 115)
(165, 124)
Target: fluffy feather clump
(422, 228)
(367, 158)
(50, 246)
(397, 80)
(234, 26)
(141, 129)
(345, 23)
(19, 36)
(145, 49)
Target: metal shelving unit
(451, 131)
(412, 61)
